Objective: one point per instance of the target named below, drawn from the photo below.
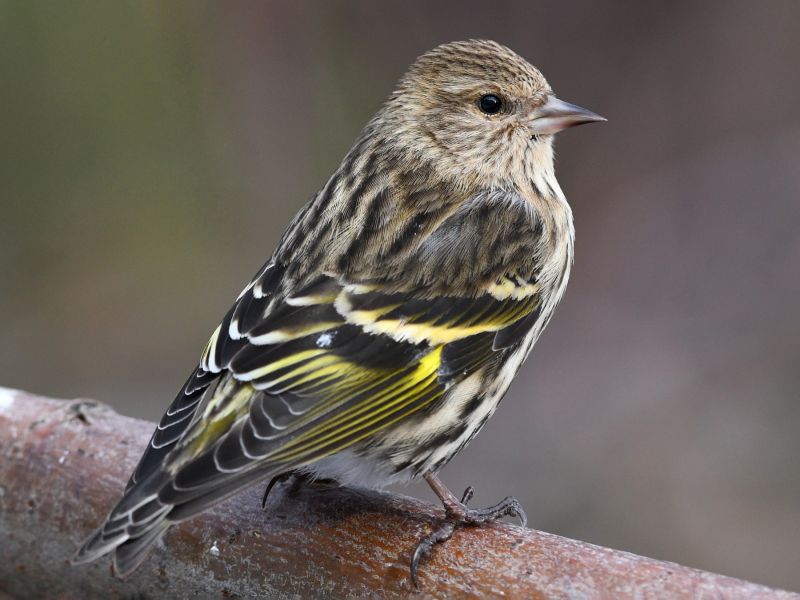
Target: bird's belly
(477, 411)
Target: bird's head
(480, 111)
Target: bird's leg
(296, 479)
(457, 514)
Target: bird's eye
(490, 104)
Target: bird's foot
(457, 515)
(296, 479)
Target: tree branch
(64, 464)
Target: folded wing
(291, 377)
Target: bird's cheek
(451, 128)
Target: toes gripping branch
(457, 514)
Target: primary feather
(389, 321)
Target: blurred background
(152, 153)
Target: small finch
(389, 322)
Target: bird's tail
(135, 524)
(149, 508)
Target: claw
(297, 479)
(272, 482)
(424, 548)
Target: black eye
(490, 104)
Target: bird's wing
(302, 377)
(328, 367)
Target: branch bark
(65, 463)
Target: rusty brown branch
(65, 463)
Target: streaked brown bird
(396, 310)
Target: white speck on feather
(6, 398)
(214, 550)
(63, 457)
(324, 340)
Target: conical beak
(556, 115)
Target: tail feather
(137, 512)
(96, 545)
(121, 529)
(129, 554)
(139, 520)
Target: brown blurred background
(153, 152)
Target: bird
(391, 318)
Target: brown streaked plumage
(393, 315)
